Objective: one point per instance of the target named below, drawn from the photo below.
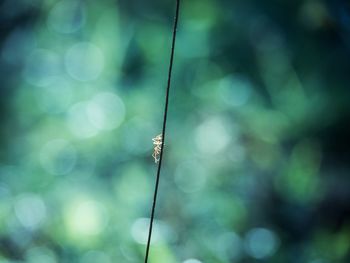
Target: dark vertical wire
(164, 127)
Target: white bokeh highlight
(139, 231)
(212, 136)
(106, 111)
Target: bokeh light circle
(30, 210)
(261, 243)
(84, 61)
(139, 231)
(67, 16)
(192, 260)
(235, 90)
(78, 121)
(106, 111)
(212, 136)
(85, 218)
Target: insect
(157, 142)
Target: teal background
(256, 161)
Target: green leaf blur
(256, 161)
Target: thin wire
(164, 128)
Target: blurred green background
(256, 167)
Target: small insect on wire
(157, 142)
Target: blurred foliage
(256, 164)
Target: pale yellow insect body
(157, 142)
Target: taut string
(164, 128)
